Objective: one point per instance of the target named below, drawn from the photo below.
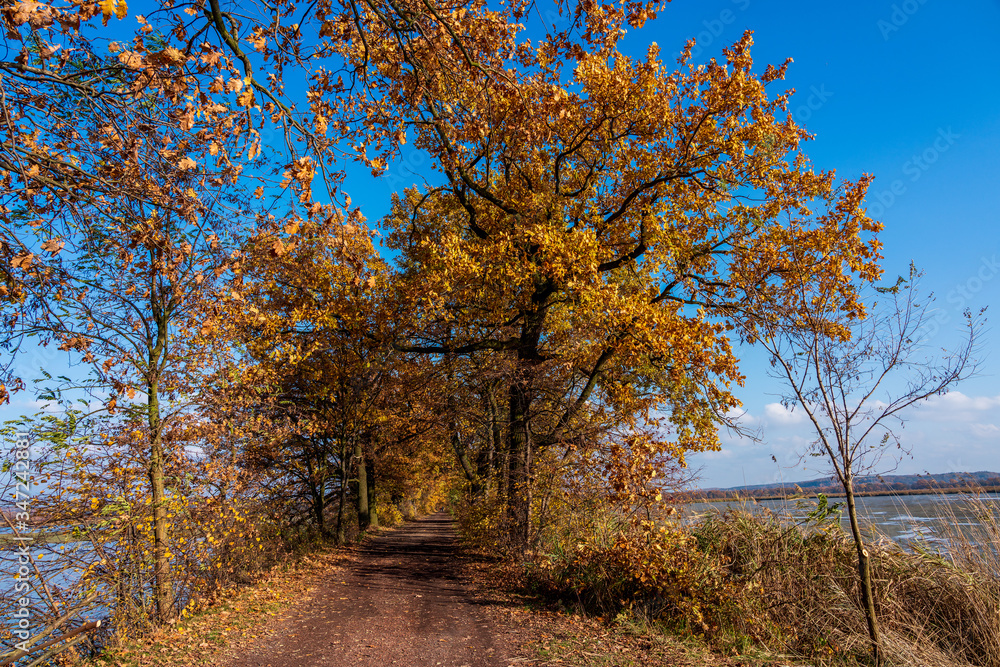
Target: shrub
(743, 579)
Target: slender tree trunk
(502, 460)
(519, 468)
(321, 512)
(519, 434)
(462, 454)
(456, 437)
(372, 505)
(341, 536)
(316, 489)
(485, 461)
(865, 574)
(364, 519)
(163, 592)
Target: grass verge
(232, 619)
(547, 632)
(752, 589)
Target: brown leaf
(22, 261)
(53, 246)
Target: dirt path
(401, 603)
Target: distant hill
(863, 485)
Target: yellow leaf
(22, 261)
(117, 8)
(108, 8)
(245, 98)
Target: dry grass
(933, 609)
(749, 583)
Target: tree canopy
(552, 312)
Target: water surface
(920, 519)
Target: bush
(740, 580)
(655, 569)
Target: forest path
(402, 602)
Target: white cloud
(985, 430)
(718, 454)
(23, 404)
(778, 415)
(956, 401)
(954, 432)
(741, 417)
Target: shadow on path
(401, 603)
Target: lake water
(925, 519)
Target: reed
(750, 579)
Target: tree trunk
(462, 454)
(341, 536)
(486, 461)
(372, 505)
(316, 490)
(519, 434)
(163, 592)
(519, 469)
(364, 519)
(502, 460)
(321, 512)
(865, 574)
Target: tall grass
(748, 579)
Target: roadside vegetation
(749, 586)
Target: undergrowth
(750, 582)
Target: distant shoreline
(840, 494)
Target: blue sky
(909, 92)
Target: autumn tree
(601, 221)
(854, 373)
(93, 122)
(121, 208)
(594, 227)
(322, 365)
(120, 162)
(131, 302)
(119, 278)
